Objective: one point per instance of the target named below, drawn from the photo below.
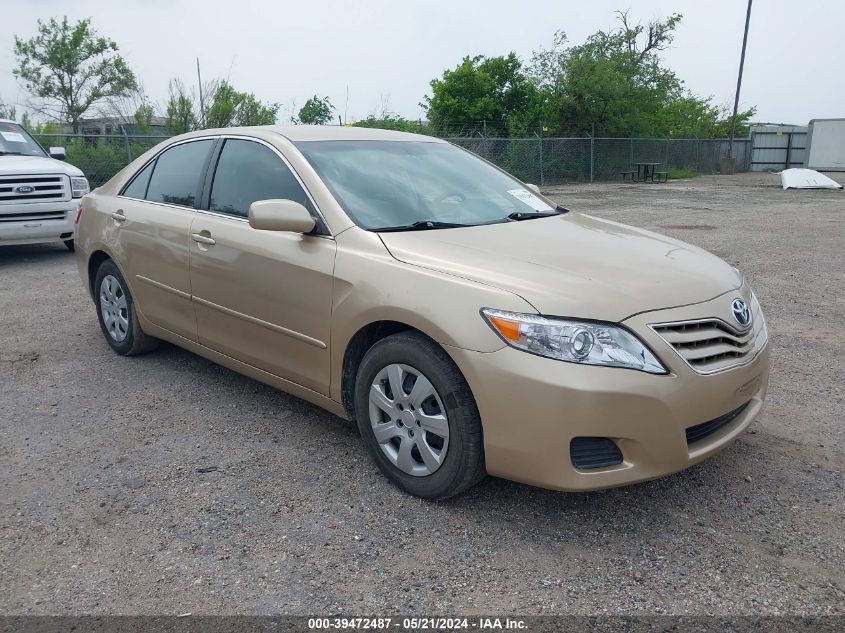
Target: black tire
(136, 340)
(70, 245)
(463, 464)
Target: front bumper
(532, 407)
(36, 230)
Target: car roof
(8, 121)
(296, 133)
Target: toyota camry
(468, 324)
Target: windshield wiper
(2, 153)
(518, 216)
(420, 225)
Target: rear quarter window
(138, 187)
(176, 176)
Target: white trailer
(826, 145)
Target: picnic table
(646, 171)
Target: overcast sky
(388, 51)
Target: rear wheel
(418, 418)
(117, 315)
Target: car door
(262, 297)
(152, 241)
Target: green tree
(251, 111)
(49, 128)
(222, 106)
(7, 111)
(389, 122)
(180, 113)
(229, 107)
(480, 92)
(144, 118)
(691, 117)
(70, 68)
(616, 84)
(316, 111)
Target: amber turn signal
(507, 328)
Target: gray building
(118, 125)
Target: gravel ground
(167, 484)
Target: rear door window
(176, 175)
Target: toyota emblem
(741, 312)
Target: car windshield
(16, 141)
(416, 185)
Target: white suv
(38, 193)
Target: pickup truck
(39, 193)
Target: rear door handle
(118, 216)
(202, 239)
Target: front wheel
(418, 418)
(117, 315)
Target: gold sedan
(468, 324)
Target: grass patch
(678, 173)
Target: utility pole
(346, 105)
(199, 85)
(728, 163)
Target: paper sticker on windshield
(523, 195)
(13, 137)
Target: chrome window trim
(160, 204)
(152, 160)
(224, 216)
(217, 213)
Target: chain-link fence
(544, 161)
(99, 156)
(549, 161)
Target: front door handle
(118, 216)
(203, 239)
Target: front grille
(700, 431)
(588, 453)
(710, 345)
(33, 216)
(45, 188)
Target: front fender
(371, 286)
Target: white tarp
(806, 179)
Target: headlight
(79, 186)
(586, 342)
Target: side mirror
(58, 153)
(280, 215)
(533, 188)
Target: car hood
(11, 164)
(573, 265)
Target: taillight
(79, 213)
